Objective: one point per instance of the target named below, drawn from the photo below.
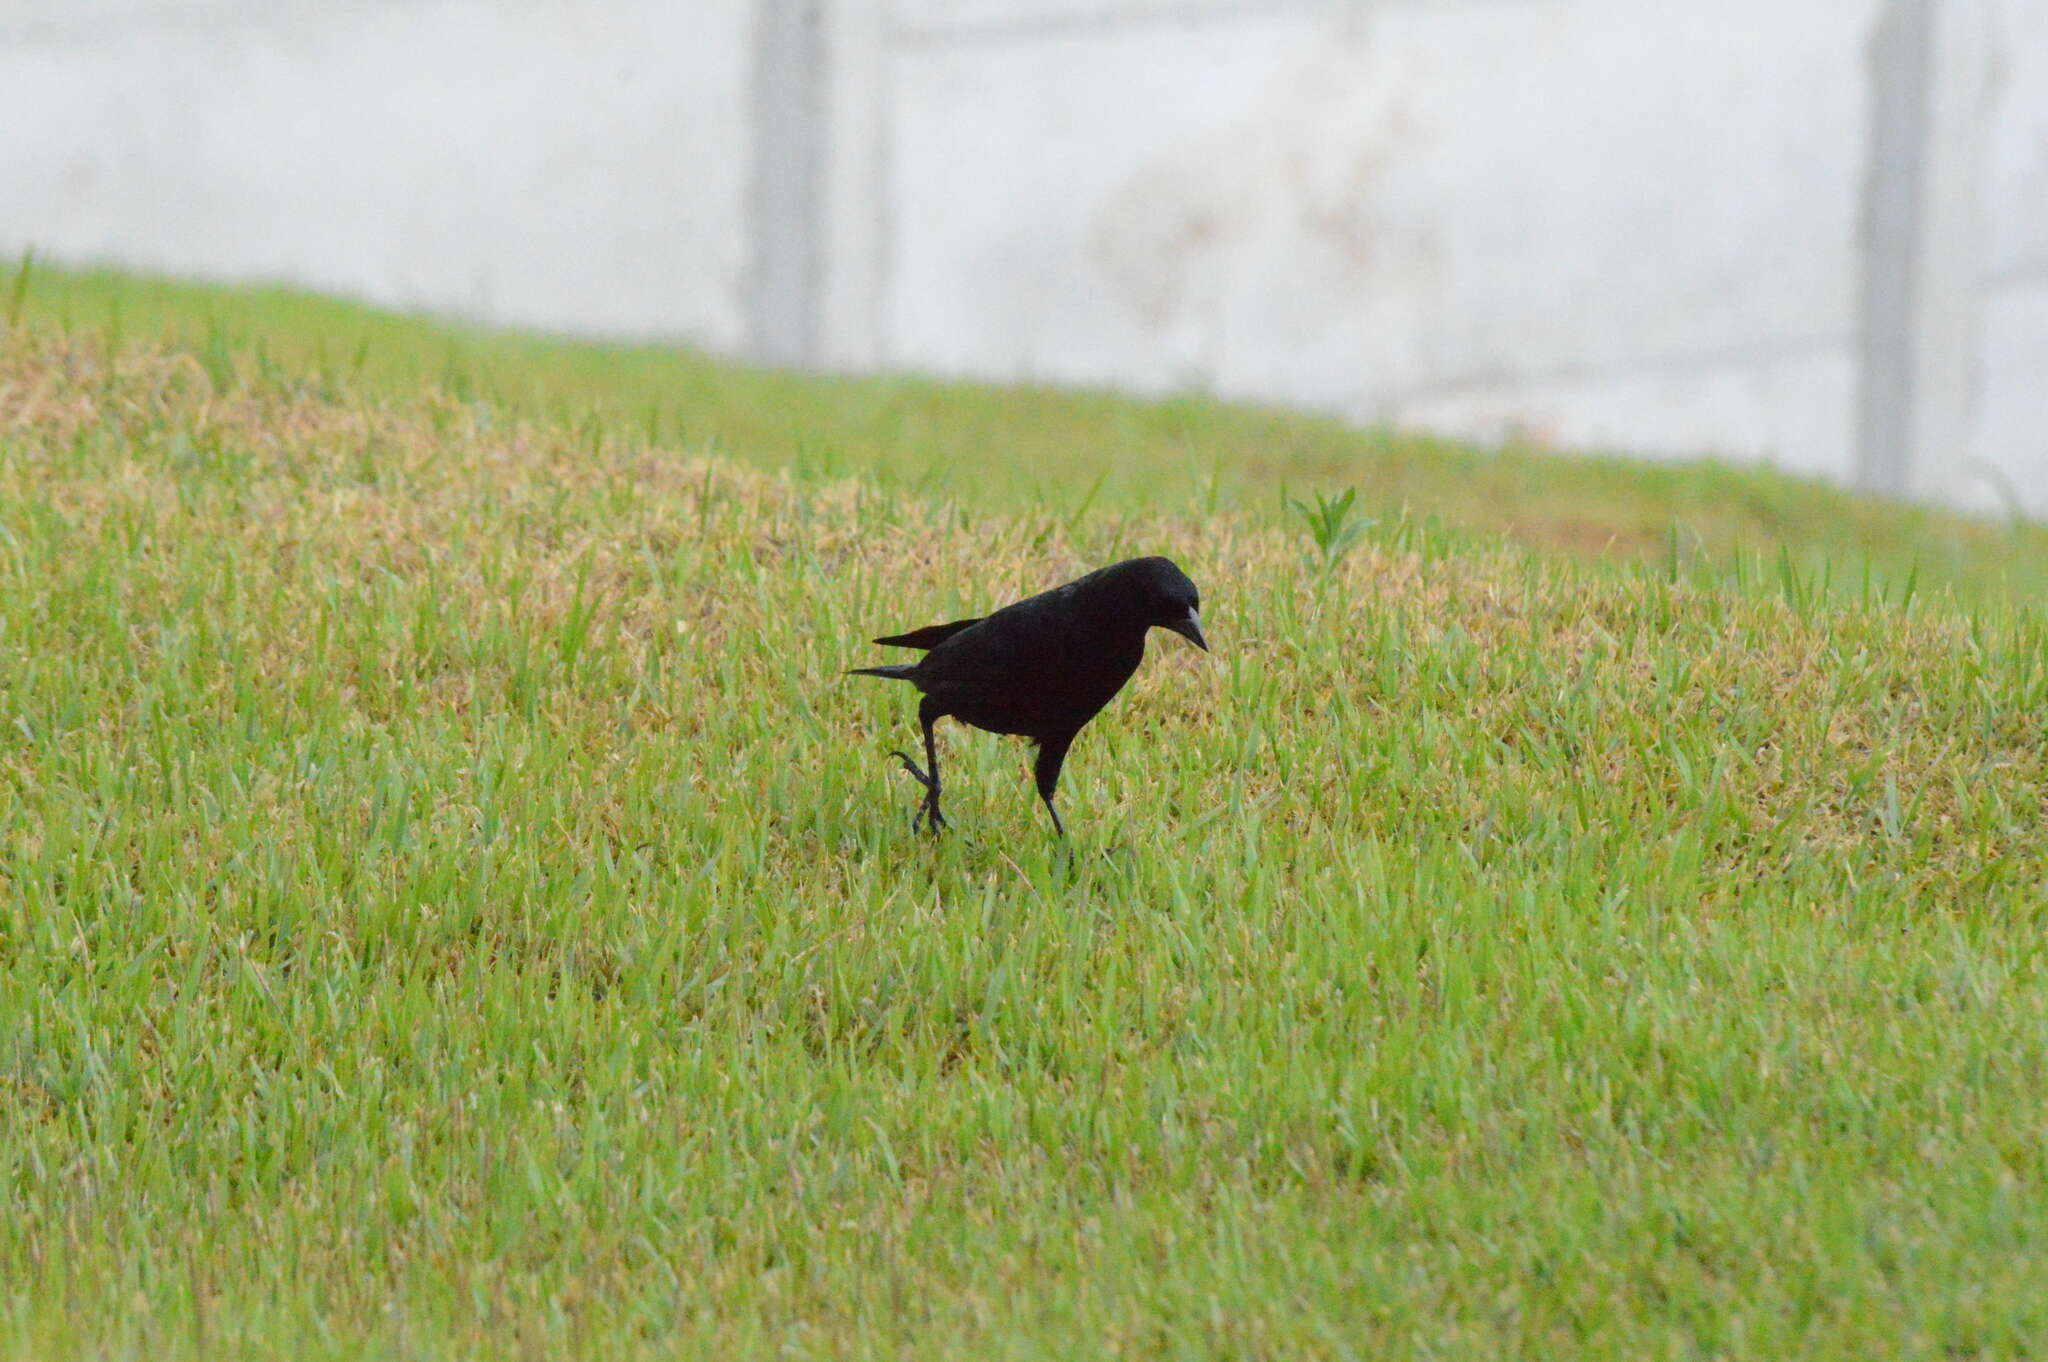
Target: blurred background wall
(1814, 233)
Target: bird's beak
(1191, 629)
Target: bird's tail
(901, 673)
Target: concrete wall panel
(2008, 463)
(1377, 212)
(1000, 19)
(558, 164)
(2010, 467)
(2018, 199)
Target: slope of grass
(1010, 449)
(452, 905)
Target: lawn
(1050, 452)
(452, 905)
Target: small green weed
(1331, 525)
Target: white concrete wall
(566, 164)
(1752, 228)
(1602, 222)
(2012, 433)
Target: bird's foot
(929, 810)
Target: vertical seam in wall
(1894, 213)
(785, 228)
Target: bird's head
(1163, 596)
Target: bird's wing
(1036, 667)
(931, 636)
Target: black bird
(1043, 667)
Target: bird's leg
(1057, 826)
(922, 777)
(927, 778)
(1052, 754)
(917, 773)
(931, 788)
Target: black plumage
(1043, 667)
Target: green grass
(1052, 452)
(452, 905)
